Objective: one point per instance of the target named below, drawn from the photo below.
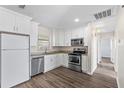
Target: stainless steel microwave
(77, 42)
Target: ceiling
(61, 16)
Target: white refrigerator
(14, 59)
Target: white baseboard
(93, 70)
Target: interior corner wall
(120, 48)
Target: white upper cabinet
(67, 38)
(34, 34)
(78, 33)
(61, 38)
(22, 25)
(55, 38)
(14, 22)
(58, 38)
(7, 21)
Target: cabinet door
(67, 38)
(34, 34)
(84, 63)
(7, 21)
(78, 33)
(58, 38)
(59, 60)
(49, 63)
(74, 34)
(65, 60)
(22, 25)
(55, 38)
(81, 33)
(61, 38)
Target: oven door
(75, 59)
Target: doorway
(105, 50)
(105, 47)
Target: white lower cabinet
(49, 62)
(84, 63)
(59, 59)
(55, 60)
(65, 60)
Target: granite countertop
(39, 53)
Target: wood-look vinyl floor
(65, 78)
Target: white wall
(94, 51)
(106, 47)
(120, 48)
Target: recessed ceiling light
(76, 20)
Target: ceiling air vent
(122, 6)
(103, 14)
(22, 6)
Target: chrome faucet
(45, 49)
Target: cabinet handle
(14, 28)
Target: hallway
(106, 68)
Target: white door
(7, 21)
(14, 67)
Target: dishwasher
(37, 65)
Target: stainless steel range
(75, 59)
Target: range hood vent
(103, 14)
